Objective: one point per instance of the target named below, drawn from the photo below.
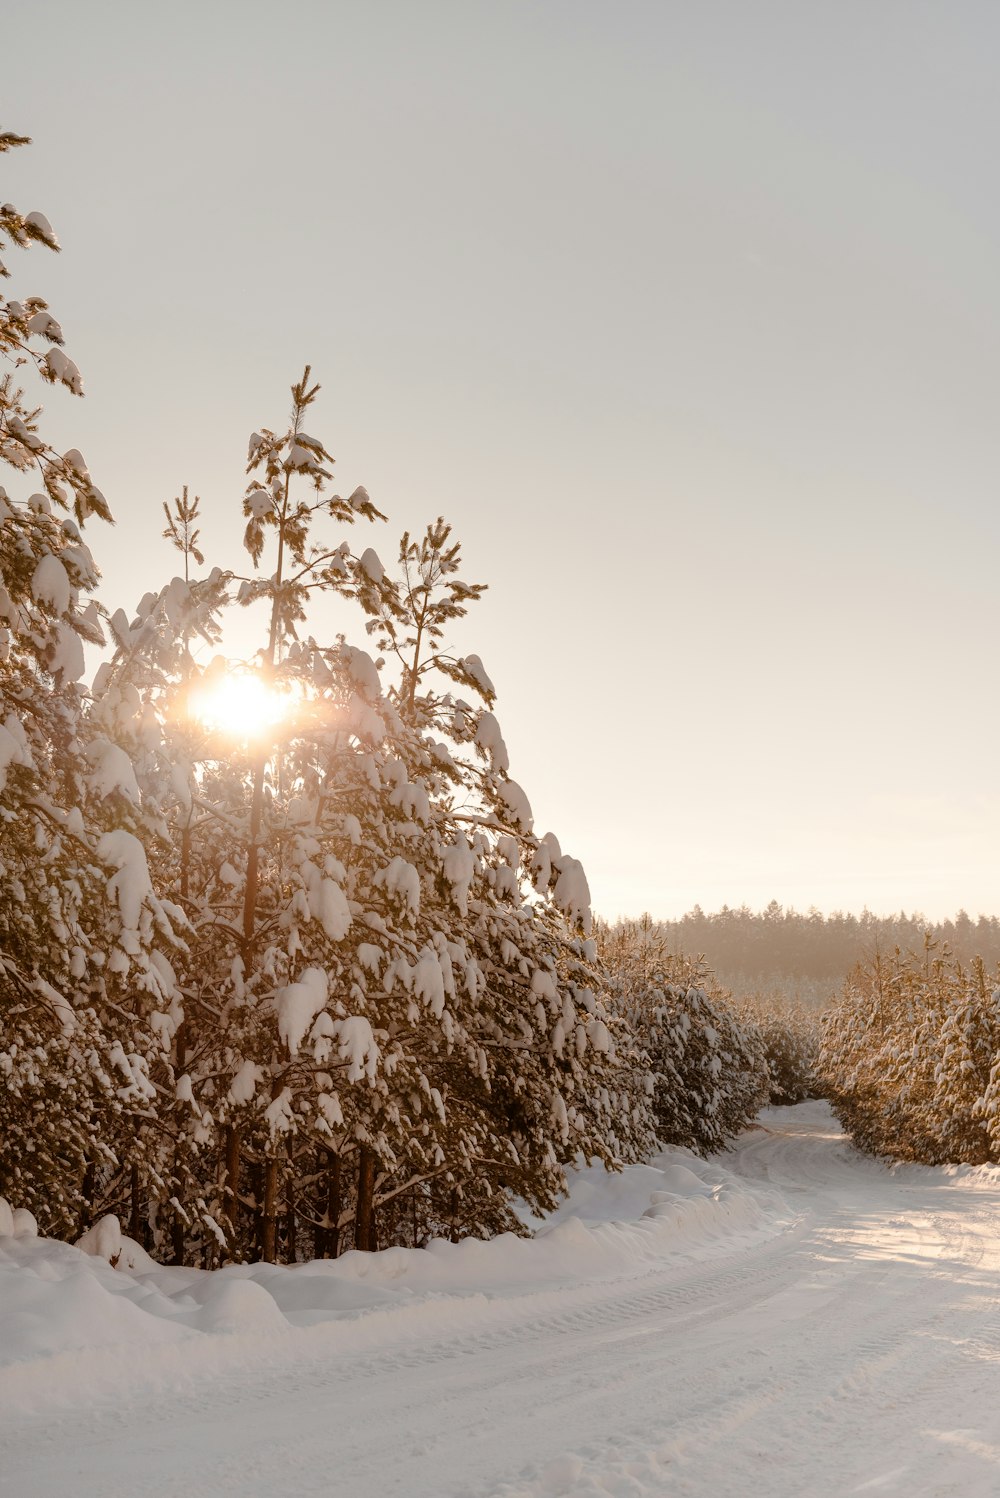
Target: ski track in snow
(849, 1346)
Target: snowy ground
(788, 1319)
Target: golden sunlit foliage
(911, 1058)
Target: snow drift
(106, 1293)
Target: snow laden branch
(83, 936)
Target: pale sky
(685, 315)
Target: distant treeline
(761, 947)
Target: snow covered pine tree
(393, 1021)
(909, 1056)
(83, 940)
(709, 1064)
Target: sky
(685, 315)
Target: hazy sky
(685, 314)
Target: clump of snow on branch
(298, 1004)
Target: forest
(750, 949)
(284, 965)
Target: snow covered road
(788, 1319)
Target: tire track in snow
(860, 1350)
(905, 1360)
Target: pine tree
(709, 1066)
(84, 941)
(393, 1017)
(548, 1069)
(909, 1058)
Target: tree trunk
(185, 856)
(291, 1240)
(269, 1227)
(328, 1236)
(364, 1218)
(87, 1193)
(177, 1238)
(135, 1213)
(255, 1173)
(180, 1045)
(180, 1052)
(232, 1186)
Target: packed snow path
(790, 1319)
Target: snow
(302, 456)
(298, 1005)
(62, 368)
(363, 670)
(42, 227)
(328, 905)
(74, 459)
(44, 325)
(428, 981)
(490, 740)
(59, 1004)
(19, 1223)
(459, 866)
(599, 1037)
(14, 747)
(572, 892)
(401, 880)
(244, 1084)
(590, 1235)
(25, 1225)
(112, 770)
(259, 502)
(131, 885)
(517, 804)
(476, 672)
(103, 1240)
(371, 565)
(15, 426)
(50, 584)
(357, 1049)
(278, 1113)
(67, 655)
(788, 1319)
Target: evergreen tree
(709, 1067)
(909, 1058)
(393, 1017)
(85, 943)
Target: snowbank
(106, 1292)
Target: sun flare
(240, 704)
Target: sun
(240, 705)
